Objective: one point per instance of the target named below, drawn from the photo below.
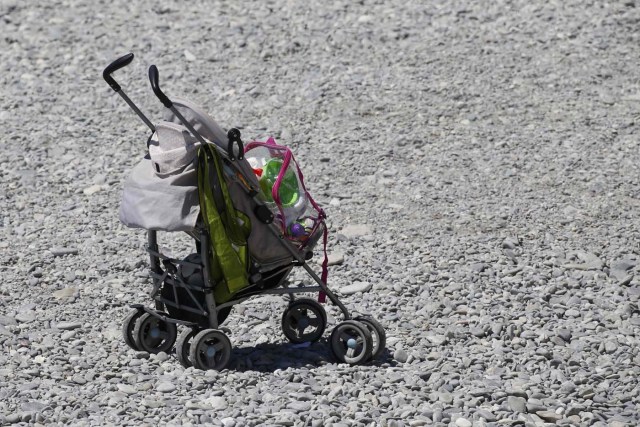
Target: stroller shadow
(269, 357)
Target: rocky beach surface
(477, 160)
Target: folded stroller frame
(186, 294)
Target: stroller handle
(154, 78)
(233, 135)
(123, 61)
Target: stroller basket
(252, 221)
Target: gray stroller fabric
(160, 202)
(171, 148)
(209, 130)
(200, 120)
(264, 246)
(161, 193)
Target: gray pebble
(13, 418)
(335, 258)
(355, 288)
(401, 355)
(549, 416)
(165, 387)
(64, 293)
(6, 320)
(610, 347)
(517, 404)
(463, 422)
(486, 415)
(355, 230)
(127, 388)
(218, 403)
(26, 317)
(68, 335)
(59, 251)
(68, 325)
(565, 334)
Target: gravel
(478, 163)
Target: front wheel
(304, 321)
(351, 343)
(378, 335)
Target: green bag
(228, 228)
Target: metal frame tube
(294, 251)
(119, 63)
(208, 285)
(136, 110)
(154, 261)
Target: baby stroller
(252, 220)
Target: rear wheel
(153, 334)
(210, 349)
(183, 346)
(128, 326)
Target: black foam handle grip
(154, 77)
(123, 61)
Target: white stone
(64, 293)
(165, 387)
(218, 403)
(355, 288)
(189, 56)
(335, 258)
(356, 230)
(93, 189)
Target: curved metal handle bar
(154, 78)
(123, 61)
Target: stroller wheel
(184, 344)
(351, 342)
(154, 335)
(210, 349)
(378, 335)
(304, 321)
(128, 325)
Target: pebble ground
(478, 161)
